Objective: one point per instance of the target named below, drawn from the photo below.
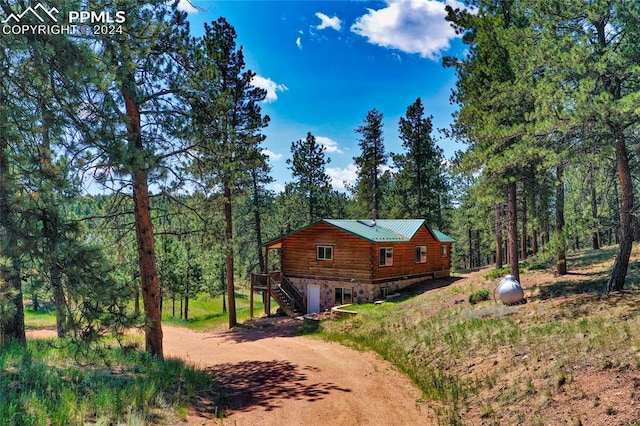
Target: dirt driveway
(275, 378)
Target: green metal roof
(443, 238)
(384, 230)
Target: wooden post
(251, 296)
(268, 306)
(267, 302)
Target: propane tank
(509, 291)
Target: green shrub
(498, 273)
(479, 296)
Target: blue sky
(325, 64)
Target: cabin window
(386, 256)
(343, 295)
(444, 251)
(421, 254)
(324, 252)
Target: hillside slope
(570, 355)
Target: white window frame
(324, 248)
(444, 251)
(387, 259)
(420, 257)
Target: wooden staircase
(287, 296)
(282, 291)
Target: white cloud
(299, 43)
(339, 177)
(411, 26)
(329, 144)
(270, 86)
(272, 155)
(186, 6)
(326, 22)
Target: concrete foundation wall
(362, 293)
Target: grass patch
(40, 384)
(479, 296)
(205, 312)
(42, 319)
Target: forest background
(171, 128)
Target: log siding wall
(351, 254)
(356, 259)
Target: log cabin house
(337, 262)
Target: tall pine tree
(137, 115)
(311, 180)
(419, 183)
(226, 124)
(369, 188)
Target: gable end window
(421, 254)
(385, 256)
(324, 252)
(444, 251)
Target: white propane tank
(509, 290)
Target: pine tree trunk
(186, 303)
(619, 273)
(136, 302)
(471, 258)
(229, 262)
(512, 229)
(523, 237)
(12, 329)
(59, 300)
(478, 249)
(594, 212)
(257, 221)
(498, 229)
(50, 229)
(561, 257)
(150, 283)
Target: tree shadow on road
(263, 384)
(261, 328)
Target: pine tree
(308, 168)
(369, 188)
(11, 305)
(596, 96)
(136, 121)
(420, 179)
(493, 113)
(227, 123)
